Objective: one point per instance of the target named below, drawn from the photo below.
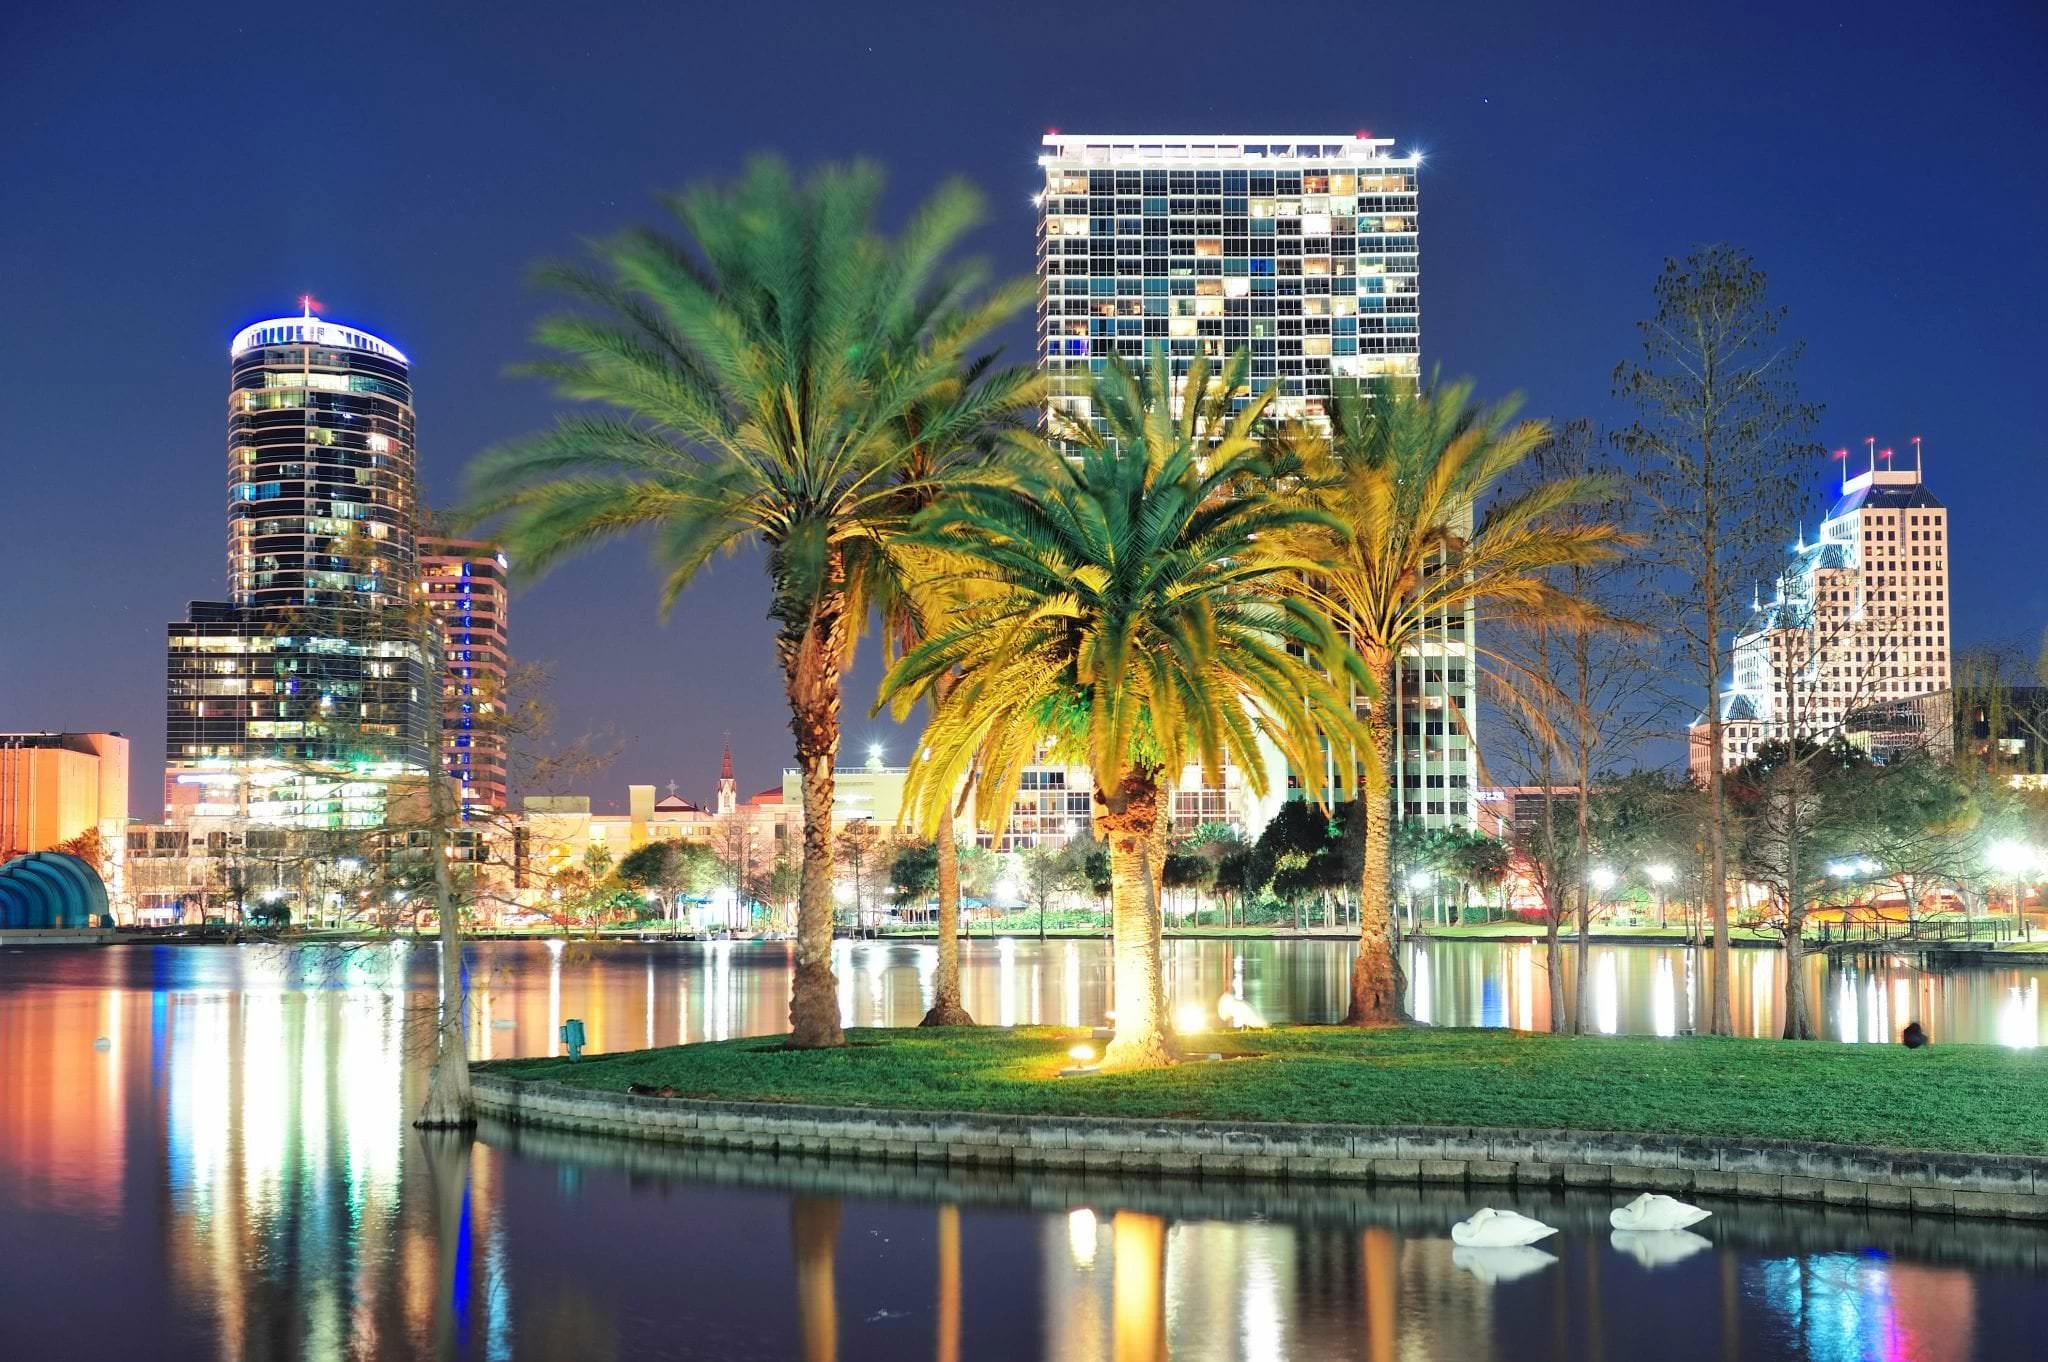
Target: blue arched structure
(50, 890)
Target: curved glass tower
(321, 486)
(301, 698)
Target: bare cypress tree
(1721, 449)
(1582, 689)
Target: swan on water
(1658, 1248)
(1488, 1228)
(1655, 1211)
(1496, 1265)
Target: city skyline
(459, 191)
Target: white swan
(1489, 1228)
(1654, 1211)
(1658, 1248)
(1496, 1265)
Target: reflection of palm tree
(948, 1346)
(1138, 1288)
(814, 1238)
(1381, 1284)
(1731, 1306)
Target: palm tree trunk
(811, 659)
(1127, 817)
(947, 1009)
(1375, 989)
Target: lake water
(204, 1154)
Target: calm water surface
(204, 1154)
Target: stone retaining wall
(2003, 1186)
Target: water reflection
(235, 1165)
(1148, 1271)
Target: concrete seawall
(1997, 1186)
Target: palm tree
(1403, 472)
(898, 578)
(1119, 607)
(761, 370)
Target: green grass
(1962, 1098)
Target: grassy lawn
(1973, 1099)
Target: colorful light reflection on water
(232, 1176)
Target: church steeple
(728, 788)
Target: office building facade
(302, 697)
(463, 581)
(1855, 629)
(1303, 249)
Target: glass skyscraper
(1302, 248)
(300, 698)
(463, 581)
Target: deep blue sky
(168, 173)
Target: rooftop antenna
(1916, 453)
(1871, 440)
(1843, 455)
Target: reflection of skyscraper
(298, 698)
(1850, 1305)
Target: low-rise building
(63, 789)
(55, 787)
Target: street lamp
(1602, 879)
(1418, 880)
(1660, 875)
(2013, 858)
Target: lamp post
(1417, 882)
(1602, 879)
(2013, 858)
(1659, 875)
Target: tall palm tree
(1403, 472)
(1120, 607)
(760, 369)
(900, 580)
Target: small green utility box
(572, 1036)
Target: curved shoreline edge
(1994, 1186)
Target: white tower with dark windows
(1302, 249)
(1857, 626)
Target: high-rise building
(464, 582)
(304, 695)
(1856, 625)
(1302, 248)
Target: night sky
(170, 173)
